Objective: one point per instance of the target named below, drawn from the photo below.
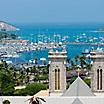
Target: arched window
(55, 79)
(97, 79)
(100, 79)
(58, 79)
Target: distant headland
(4, 26)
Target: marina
(35, 41)
(15, 49)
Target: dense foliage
(30, 89)
(33, 88)
(6, 83)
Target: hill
(7, 27)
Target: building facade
(57, 71)
(97, 78)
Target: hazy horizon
(52, 11)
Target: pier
(83, 43)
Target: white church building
(78, 92)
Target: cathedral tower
(97, 81)
(57, 72)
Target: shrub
(33, 88)
(20, 92)
(88, 81)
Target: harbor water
(63, 32)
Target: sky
(52, 11)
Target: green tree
(6, 83)
(33, 88)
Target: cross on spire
(78, 71)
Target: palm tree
(37, 100)
(6, 102)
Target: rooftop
(78, 88)
(99, 53)
(43, 93)
(57, 54)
